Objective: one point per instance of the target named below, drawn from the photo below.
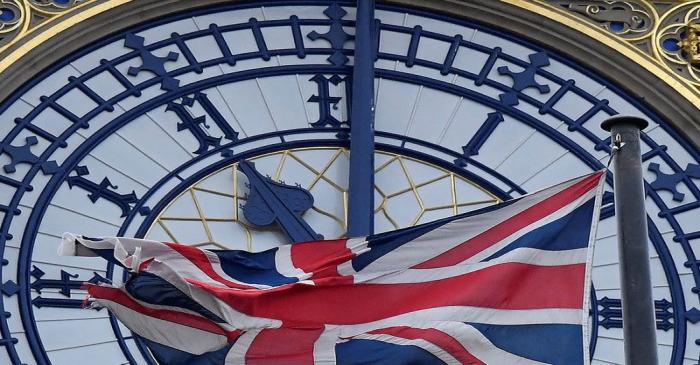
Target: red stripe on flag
(289, 346)
(200, 259)
(436, 337)
(322, 258)
(504, 286)
(511, 225)
(186, 319)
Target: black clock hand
(270, 201)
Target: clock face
(146, 133)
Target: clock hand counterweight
(270, 201)
(361, 180)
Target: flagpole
(638, 313)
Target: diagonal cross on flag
(506, 284)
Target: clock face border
(679, 320)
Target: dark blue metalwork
(482, 79)
(681, 237)
(610, 313)
(39, 132)
(59, 141)
(413, 46)
(51, 102)
(595, 323)
(215, 115)
(693, 315)
(607, 208)
(103, 190)
(479, 138)
(97, 99)
(298, 38)
(361, 176)
(547, 107)
(9, 288)
(7, 341)
(377, 37)
(451, 54)
(677, 295)
(526, 78)
(259, 39)
(325, 101)
(198, 126)
(494, 54)
(654, 152)
(269, 201)
(23, 154)
(151, 62)
(6, 209)
(121, 78)
(223, 46)
(336, 35)
(669, 182)
(347, 82)
(41, 302)
(576, 125)
(185, 51)
(65, 285)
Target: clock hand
(361, 184)
(270, 201)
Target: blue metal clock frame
(42, 163)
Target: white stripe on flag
(358, 246)
(444, 238)
(560, 213)
(523, 255)
(285, 266)
(324, 347)
(468, 314)
(236, 356)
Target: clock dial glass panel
(141, 135)
(408, 191)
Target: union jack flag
(507, 284)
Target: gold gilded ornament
(630, 20)
(690, 44)
(18, 18)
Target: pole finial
(640, 123)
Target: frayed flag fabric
(507, 284)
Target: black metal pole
(638, 318)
